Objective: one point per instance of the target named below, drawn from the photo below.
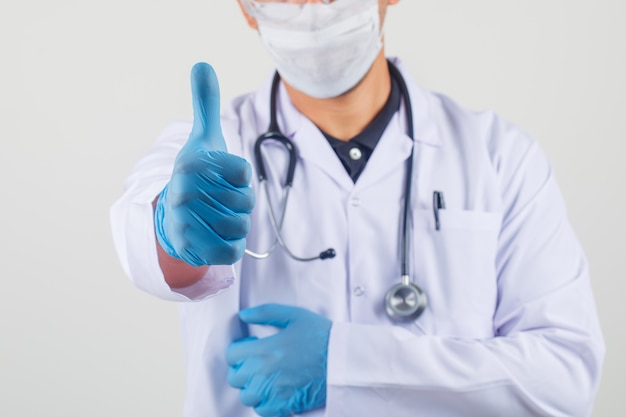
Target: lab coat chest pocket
(456, 265)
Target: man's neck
(346, 116)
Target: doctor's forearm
(549, 375)
(176, 272)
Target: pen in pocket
(438, 204)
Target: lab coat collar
(424, 120)
(393, 149)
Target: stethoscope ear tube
(274, 133)
(258, 156)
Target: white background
(85, 88)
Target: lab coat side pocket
(456, 266)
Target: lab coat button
(359, 291)
(356, 201)
(355, 154)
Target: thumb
(205, 93)
(270, 315)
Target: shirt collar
(369, 137)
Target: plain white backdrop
(86, 87)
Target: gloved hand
(202, 215)
(285, 373)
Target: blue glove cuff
(159, 214)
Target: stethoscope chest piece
(405, 302)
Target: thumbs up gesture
(202, 215)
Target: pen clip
(438, 204)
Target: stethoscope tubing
(405, 301)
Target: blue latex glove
(285, 373)
(202, 215)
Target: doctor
(461, 209)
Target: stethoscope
(404, 301)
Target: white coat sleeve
(546, 354)
(132, 223)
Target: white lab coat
(511, 328)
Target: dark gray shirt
(355, 153)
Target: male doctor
(509, 326)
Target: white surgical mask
(326, 49)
